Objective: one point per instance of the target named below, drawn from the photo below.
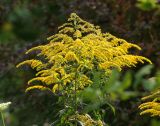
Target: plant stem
(2, 119)
(76, 97)
(76, 77)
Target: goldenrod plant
(66, 65)
(152, 106)
(86, 120)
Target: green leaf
(126, 81)
(147, 5)
(112, 108)
(146, 70)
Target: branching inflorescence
(78, 47)
(67, 63)
(153, 106)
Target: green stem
(76, 97)
(76, 77)
(2, 119)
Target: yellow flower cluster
(79, 47)
(153, 107)
(86, 120)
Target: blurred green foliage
(120, 90)
(26, 23)
(147, 5)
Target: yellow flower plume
(77, 48)
(151, 107)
